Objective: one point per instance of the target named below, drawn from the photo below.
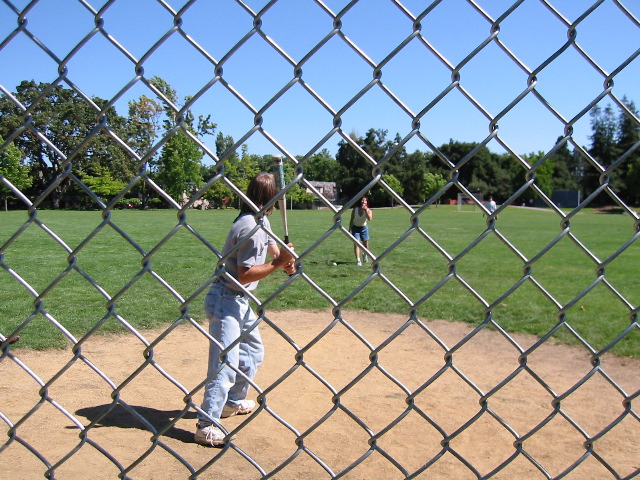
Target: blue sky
(415, 76)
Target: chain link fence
(233, 461)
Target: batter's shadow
(121, 417)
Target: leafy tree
(143, 129)
(431, 184)
(66, 120)
(245, 168)
(560, 171)
(380, 196)
(604, 147)
(396, 165)
(13, 170)
(628, 136)
(502, 181)
(179, 165)
(566, 171)
(412, 176)
(356, 171)
(239, 170)
(102, 183)
(476, 173)
(491, 174)
(322, 167)
(218, 194)
(143, 123)
(104, 153)
(224, 144)
(544, 173)
(299, 195)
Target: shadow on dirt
(142, 418)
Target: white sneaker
(359, 263)
(210, 436)
(366, 259)
(242, 408)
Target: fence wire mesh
(234, 460)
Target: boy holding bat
(231, 317)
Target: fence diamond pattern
(97, 23)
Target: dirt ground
(388, 425)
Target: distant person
(358, 227)
(231, 317)
(491, 205)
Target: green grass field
(73, 289)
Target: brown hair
(359, 203)
(262, 188)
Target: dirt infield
(305, 396)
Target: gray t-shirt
(253, 250)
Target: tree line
(419, 175)
(58, 144)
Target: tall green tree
(491, 174)
(179, 166)
(412, 176)
(381, 197)
(100, 181)
(476, 173)
(395, 165)
(13, 170)
(219, 194)
(566, 173)
(66, 120)
(431, 184)
(237, 169)
(604, 149)
(356, 170)
(247, 167)
(322, 167)
(180, 169)
(144, 124)
(628, 137)
(144, 128)
(544, 173)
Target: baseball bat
(278, 173)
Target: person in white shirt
(491, 205)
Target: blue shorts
(360, 233)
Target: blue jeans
(230, 318)
(360, 233)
